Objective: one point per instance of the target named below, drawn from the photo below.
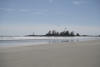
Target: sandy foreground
(76, 54)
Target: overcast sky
(22, 17)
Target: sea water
(19, 41)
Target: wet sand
(75, 54)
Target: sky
(23, 17)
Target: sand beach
(74, 54)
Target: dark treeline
(56, 33)
(63, 33)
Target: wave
(51, 38)
(18, 41)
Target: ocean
(36, 40)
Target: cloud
(33, 11)
(38, 13)
(91, 30)
(7, 9)
(24, 10)
(50, 1)
(78, 2)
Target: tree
(33, 34)
(72, 34)
(62, 33)
(49, 33)
(67, 33)
(53, 32)
(77, 34)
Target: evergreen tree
(53, 32)
(66, 33)
(72, 34)
(77, 34)
(49, 33)
(63, 33)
